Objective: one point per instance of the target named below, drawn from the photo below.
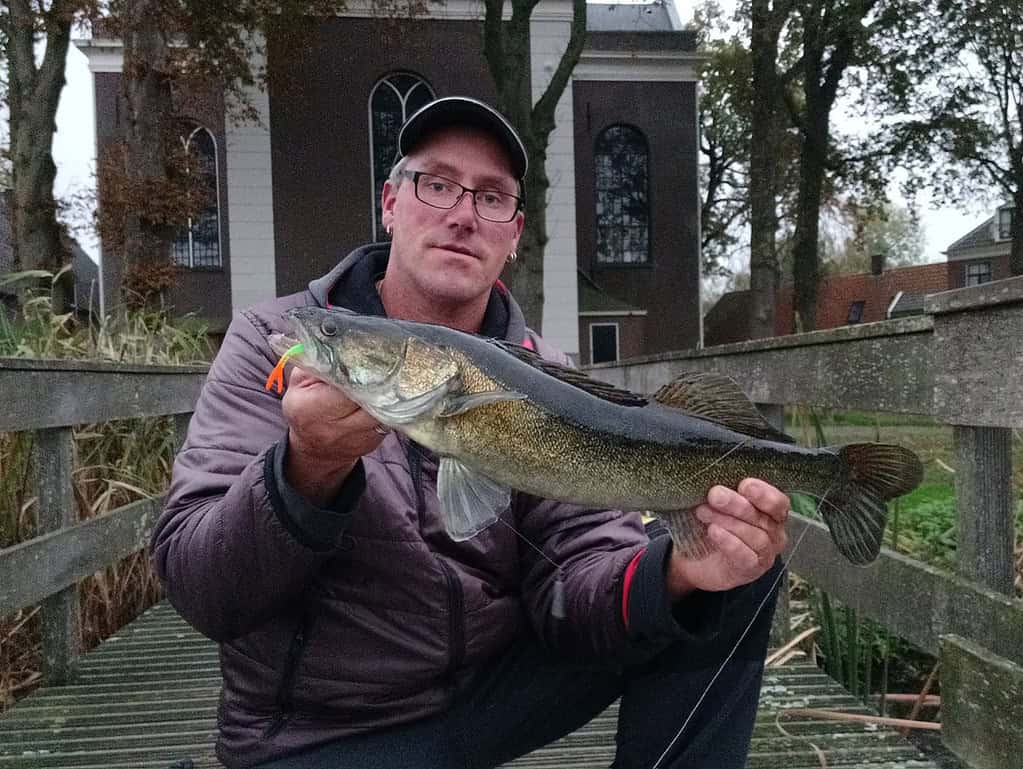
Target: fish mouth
(281, 343)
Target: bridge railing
(962, 364)
(48, 398)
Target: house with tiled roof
(866, 297)
(982, 254)
(841, 300)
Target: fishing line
(720, 459)
(703, 696)
(525, 539)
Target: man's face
(451, 255)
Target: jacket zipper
(456, 626)
(284, 698)
(456, 596)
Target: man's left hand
(746, 529)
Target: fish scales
(531, 448)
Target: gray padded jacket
(365, 615)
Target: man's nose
(464, 210)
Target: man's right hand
(327, 433)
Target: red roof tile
(836, 293)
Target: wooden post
(984, 501)
(53, 457)
(781, 627)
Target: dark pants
(530, 698)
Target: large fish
(501, 418)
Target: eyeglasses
(436, 191)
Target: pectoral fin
(469, 502)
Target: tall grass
(115, 463)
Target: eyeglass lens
(492, 205)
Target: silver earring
(389, 228)
(512, 257)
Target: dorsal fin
(718, 398)
(573, 377)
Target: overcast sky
(74, 152)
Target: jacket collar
(352, 284)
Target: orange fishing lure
(276, 378)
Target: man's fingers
(765, 498)
(733, 548)
(754, 537)
(723, 500)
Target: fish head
(378, 362)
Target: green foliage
(958, 126)
(143, 336)
(724, 141)
(828, 53)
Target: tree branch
(21, 48)
(543, 111)
(50, 81)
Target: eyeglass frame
(416, 175)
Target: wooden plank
(875, 366)
(163, 722)
(40, 567)
(38, 393)
(53, 461)
(978, 341)
(984, 501)
(914, 600)
(981, 705)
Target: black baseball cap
(461, 110)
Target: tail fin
(854, 509)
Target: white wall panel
(250, 207)
(548, 39)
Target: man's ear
(388, 197)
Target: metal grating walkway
(147, 698)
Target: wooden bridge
(146, 697)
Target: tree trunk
(526, 274)
(765, 133)
(506, 49)
(822, 74)
(1016, 252)
(34, 93)
(149, 131)
(805, 256)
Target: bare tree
(768, 19)
(33, 96)
(506, 49)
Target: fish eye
(328, 327)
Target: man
(354, 632)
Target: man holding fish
(410, 559)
